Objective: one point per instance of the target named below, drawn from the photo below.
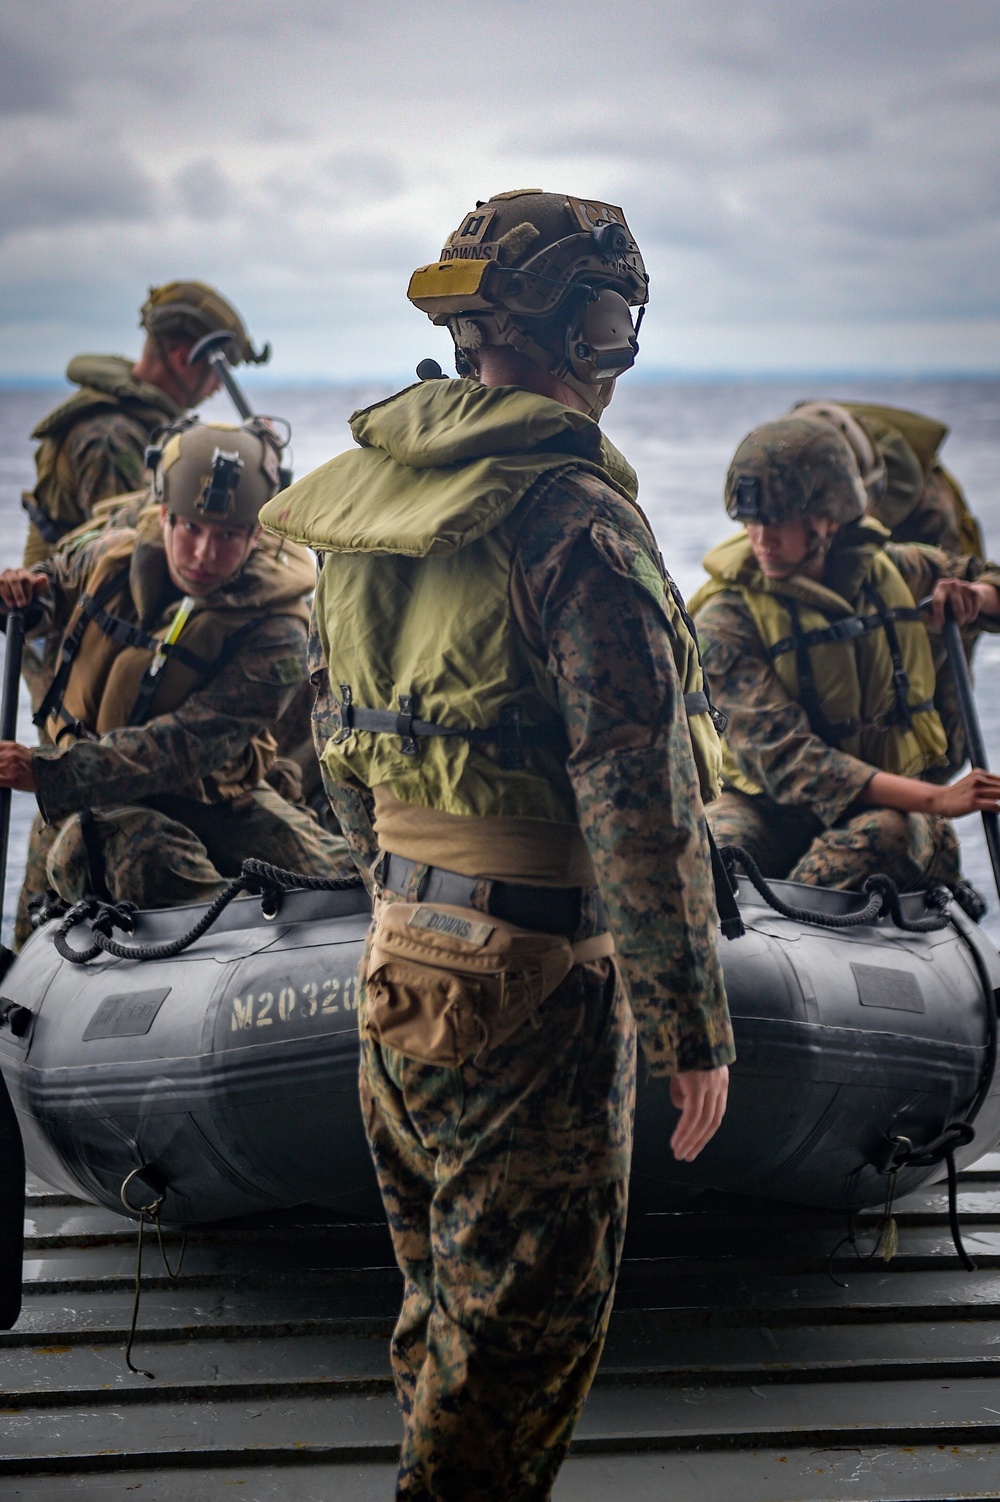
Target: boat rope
(881, 890)
(152, 1212)
(256, 878)
(896, 1153)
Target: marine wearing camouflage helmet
(181, 642)
(814, 647)
(93, 445)
(503, 728)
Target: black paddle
(11, 1146)
(974, 743)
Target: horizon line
(661, 375)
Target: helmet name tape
(216, 498)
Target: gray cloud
(787, 166)
(76, 183)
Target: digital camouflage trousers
(505, 1184)
(788, 843)
(174, 850)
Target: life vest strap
(508, 734)
(48, 528)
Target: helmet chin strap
(505, 331)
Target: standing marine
(93, 445)
(181, 641)
(816, 648)
(504, 735)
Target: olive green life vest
(443, 700)
(118, 631)
(861, 667)
(106, 385)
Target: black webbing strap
(809, 697)
(205, 669)
(847, 628)
(52, 702)
(730, 918)
(900, 677)
(508, 735)
(48, 529)
(95, 855)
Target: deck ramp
(735, 1366)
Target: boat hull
(227, 1075)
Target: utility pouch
(445, 983)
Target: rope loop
(257, 878)
(881, 891)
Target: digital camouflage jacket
(769, 731)
(609, 649)
(181, 751)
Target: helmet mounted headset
(554, 277)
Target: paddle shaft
(975, 745)
(8, 724)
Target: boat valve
(16, 1017)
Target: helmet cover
(189, 310)
(215, 472)
(792, 469)
(551, 275)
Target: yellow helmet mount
(553, 276)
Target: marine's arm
(607, 645)
(969, 584)
(769, 734)
(351, 802)
(174, 750)
(55, 585)
(107, 456)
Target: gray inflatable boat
(222, 1080)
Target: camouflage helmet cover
(215, 472)
(793, 468)
(192, 309)
(871, 461)
(552, 275)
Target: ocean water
(679, 437)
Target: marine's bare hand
(17, 768)
(700, 1095)
(966, 601)
(18, 587)
(976, 792)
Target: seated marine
(182, 640)
(909, 490)
(814, 646)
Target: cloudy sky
(815, 183)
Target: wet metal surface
(735, 1365)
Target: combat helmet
(192, 309)
(871, 461)
(792, 469)
(215, 472)
(551, 275)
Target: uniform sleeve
(769, 734)
(608, 647)
(352, 803)
(922, 566)
(177, 750)
(107, 456)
